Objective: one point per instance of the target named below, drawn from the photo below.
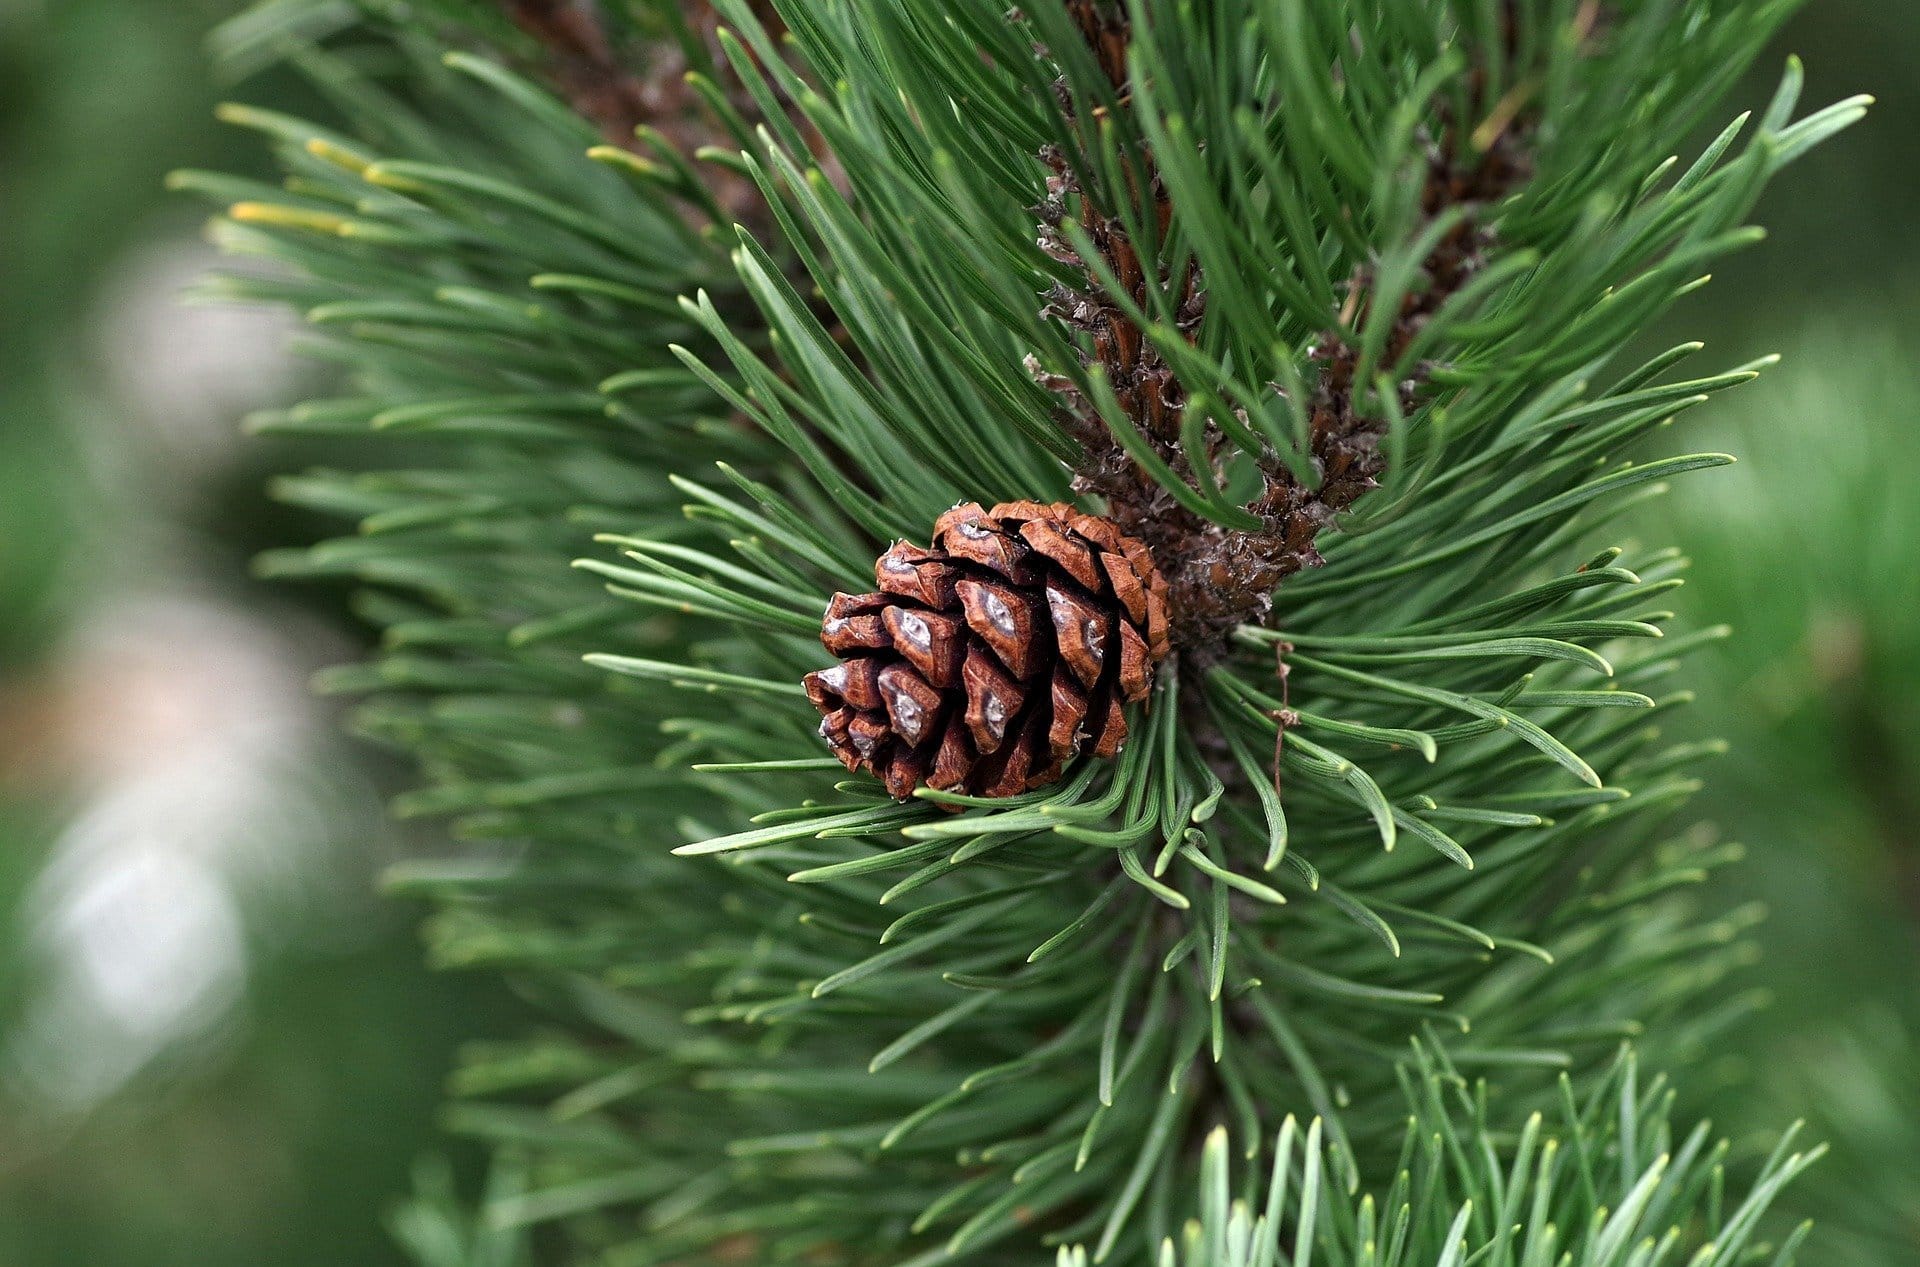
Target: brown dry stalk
(1218, 577)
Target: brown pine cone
(988, 663)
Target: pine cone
(988, 663)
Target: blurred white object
(214, 812)
(142, 946)
(208, 793)
(182, 374)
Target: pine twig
(1220, 577)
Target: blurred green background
(217, 1047)
(217, 1044)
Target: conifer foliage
(664, 324)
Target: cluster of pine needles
(1406, 861)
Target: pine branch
(797, 1020)
(1198, 558)
(1472, 166)
(1223, 577)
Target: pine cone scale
(1003, 619)
(993, 700)
(1080, 632)
(930, 642)
(990, 661)
(913, 704)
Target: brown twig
(1284, 717)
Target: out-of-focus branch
(622, 91)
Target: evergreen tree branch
(798, 1021)
(1223, 576)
